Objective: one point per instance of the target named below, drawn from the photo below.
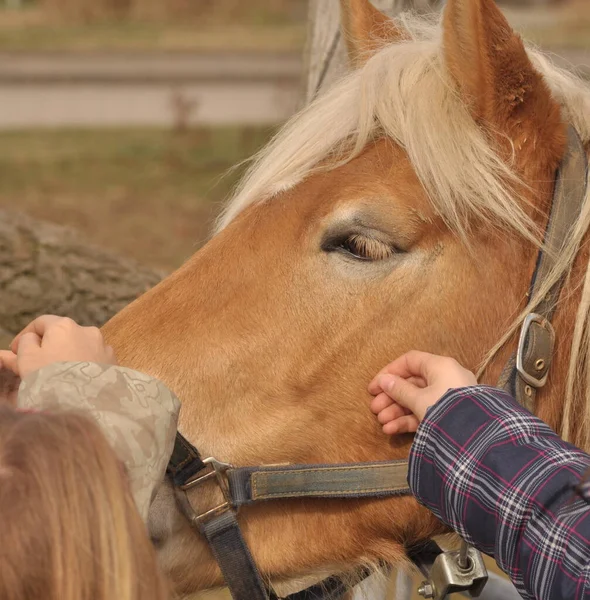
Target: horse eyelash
(363, 248)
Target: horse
(404, 208)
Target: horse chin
(168, 531)
(183, 556)
(163, 516)
(285, 588)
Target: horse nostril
(157, 541)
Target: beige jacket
(137, 414)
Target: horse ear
(495, 77)
(366, 29)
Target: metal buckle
(526, 326)
(448, 577)
(218, 471)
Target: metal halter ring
(217, 472)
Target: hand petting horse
(403, 209)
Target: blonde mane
(404, 92)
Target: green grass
(148, 194)
(33, 30)
(151, 36)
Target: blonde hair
(70, 529)
(404, 92)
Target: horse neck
(551, 400)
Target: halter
(525, 373)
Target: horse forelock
(405, 93)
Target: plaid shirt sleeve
(510, 487)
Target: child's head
(70, 528)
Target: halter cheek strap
(525, 373)
(250, 485)
(528, 369)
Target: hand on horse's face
(50, 339)
(406, 388)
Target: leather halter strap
(246, 486)
(253, 484)
(367, 480)
(525, 373)
(527, 370)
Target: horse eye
(363, 248)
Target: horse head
(400, 210)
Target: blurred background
(121, 118)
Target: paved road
(179, 67)
(53, 90)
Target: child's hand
(50, 339)
(406, 388)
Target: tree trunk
(46, 268)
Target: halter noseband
(525, 373)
